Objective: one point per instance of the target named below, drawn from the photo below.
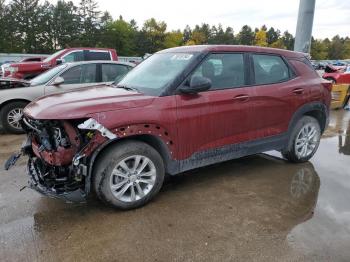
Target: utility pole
(304, 26)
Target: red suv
(28, 70)
(180, 109)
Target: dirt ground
(259, 208)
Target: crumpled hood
(83, 102)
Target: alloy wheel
(307, 140)
(133, 178)
(14, 116)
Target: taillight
(328, 85)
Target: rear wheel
(128, 175)
(10, 115)
(304, 140)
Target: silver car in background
(15, 94)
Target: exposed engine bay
(59, 153)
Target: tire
(294, 151)
(109, 173)
(7, 112)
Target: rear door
(221, 116)
(75, 77)
(274, 93)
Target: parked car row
(15, 94)
(32, 77)
(321, 64)
(28, 70)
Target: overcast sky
(332, 16)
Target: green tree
(105, 19)
(25, 25)
(4, 26)
(288, 40)
(89, 22)
(346, 53)
(66, 25)
(318, 49)
(246, 36)
(152, 36)
(336, 46)
(272, 35)
(221, 36)
(201, 34)
(45, 28)
(187, 34)
(120, 34)
(278, 44)
(198, 38)
(173, 39)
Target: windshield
(49, 58)
(47, 76)
(154, 74)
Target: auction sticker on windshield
(181, 57)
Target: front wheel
(304, 140)
(128, 174)
(10, 115)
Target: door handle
(298, 91)
(241, 98)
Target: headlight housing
(12, 69)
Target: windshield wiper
(127, 88)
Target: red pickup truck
(29, 70)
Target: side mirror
(58, 81)
(197, 84)
(59, 61)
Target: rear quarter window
(98, 55)
(269, 69)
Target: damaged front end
(59, 154)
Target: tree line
(33, 27)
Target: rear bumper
(77, 196)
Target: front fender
(152, 134)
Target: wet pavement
(259, 208)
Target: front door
(221, 116)
(75, 77)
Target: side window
(98, 55)
(74, 57)
(80, 74)
(224, 70)
(270, 69)
(113, 72)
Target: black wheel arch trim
(309, 109)
(151, 140)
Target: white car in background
(15, 94)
